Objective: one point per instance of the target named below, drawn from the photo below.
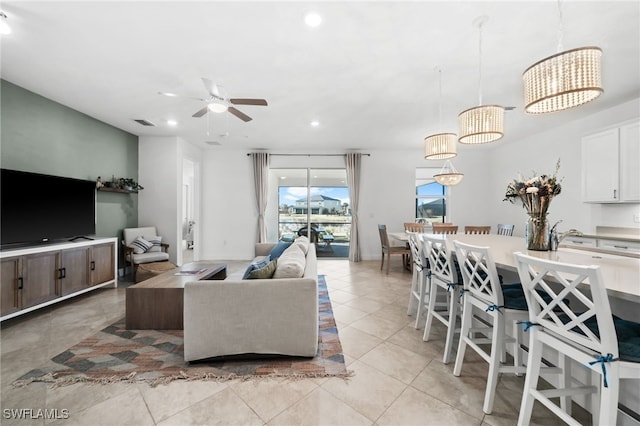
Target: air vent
(145, 122)
(216, 143)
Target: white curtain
(261, 181)
(353, 160)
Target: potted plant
(130, 184)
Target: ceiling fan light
(448, 175)
(481, 124)
(440, 146)
(217, 107)
(562, 81)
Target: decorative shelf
(122, 191)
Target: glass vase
(537, 233)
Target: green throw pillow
(264, 272)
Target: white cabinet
(621, 246)
(610, 172)
(580, 242)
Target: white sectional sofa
(255, 316)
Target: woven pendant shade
(481, 124)
(440, 146)
(448, 175)
(563, 81)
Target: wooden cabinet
(38, 276)
(10, 283)
(73, 272)
(102, 264)
(610, 160)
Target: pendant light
(483, 123)
(441, 145)
(448, 175)
(564, 80)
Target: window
(431, 197)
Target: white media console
(37, 276)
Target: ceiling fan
(219, 102)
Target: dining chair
(442, 228)
(586, 332)
(414, 227)
(389, 249)
(420, 280)
(501, 305)
(505, 229)
(445, 281)
(477, 229)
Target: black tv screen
(36, 208)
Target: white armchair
(143, 245)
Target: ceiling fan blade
(211, 87)
(237, 101)
(201, 112)
(241, 115)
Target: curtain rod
(314, 155)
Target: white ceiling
(367, 73)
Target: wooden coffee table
(157, 303)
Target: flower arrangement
(535, 194)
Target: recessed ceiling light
(172, 122)
(313, 19)
(315, 123)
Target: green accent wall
(42, 136)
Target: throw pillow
(291, 264)
(303, 243)
(278, 249)
(265, 272)
(256, 265)
(140, 245)
(157, 243)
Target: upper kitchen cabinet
(610, 158)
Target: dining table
(621, 274)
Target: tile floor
(399, 379)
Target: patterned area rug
(116, 354)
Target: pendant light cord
(560, 27)
(439, 96)
(480, 62)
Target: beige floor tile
(369, 391)
(380, 327)
(356, 343)
(365, 304)
(395, 361)
(268, 398)
(126, 408)
(417, 408)
(223, 408)
(346, 314)
(339, 297)
(320, 408)
(167, 400)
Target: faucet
(555, 239)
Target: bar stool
(420, 281)
(503, 306)
(594, 338)
(445, 280)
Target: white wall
(229, 215)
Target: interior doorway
(188, 221)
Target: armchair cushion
(140, 245)
(157, 243)
(149, 257)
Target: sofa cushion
(264, 272)
(140, 245)
(279, 248)
(256, 264)
(303, 243)
(292, 263)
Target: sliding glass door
(315, 203)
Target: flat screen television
(37, 208)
